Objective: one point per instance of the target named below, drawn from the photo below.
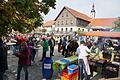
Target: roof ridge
(78, 14)
(77, 11)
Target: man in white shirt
(82, 52)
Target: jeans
(82, 70)
(43, 55)
(64, 52)
(25, 68)
(33, 53)
(51, 51)
(16, 49)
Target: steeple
(93, 11)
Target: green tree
(22, 15)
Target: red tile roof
(105, 22)
(76, 14)
(48, 23)
(101, 33)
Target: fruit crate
(66, 76)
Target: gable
(64, 14)
(75, 13)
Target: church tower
(93, 13)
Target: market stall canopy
(101, 33)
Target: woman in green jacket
(45, 48)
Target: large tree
(22, 15)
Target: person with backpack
(24, 60)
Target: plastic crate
(72, 68)
(66, 76)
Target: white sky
(104, 8)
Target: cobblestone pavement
(35, 70)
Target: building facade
(70, 20)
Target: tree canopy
(22, 15)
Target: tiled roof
(101, 33)
(48, 23)
(78, 14)
(105, 22)
(75, 14)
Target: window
(58, 23)
(61, 22)
(57, 29)
(66, 14)
(66, 22)
(66, 29)
(82, 29)
(71, 29)
(61, 29)
(71, 22)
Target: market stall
(109, 61)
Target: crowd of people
(25, 50)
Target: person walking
(3, 59)
(45, 48)
(84, 69)
(64, 47)
(32, 44)
(59, 44)
(24, 60)
(52, 44)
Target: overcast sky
(104, 8)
